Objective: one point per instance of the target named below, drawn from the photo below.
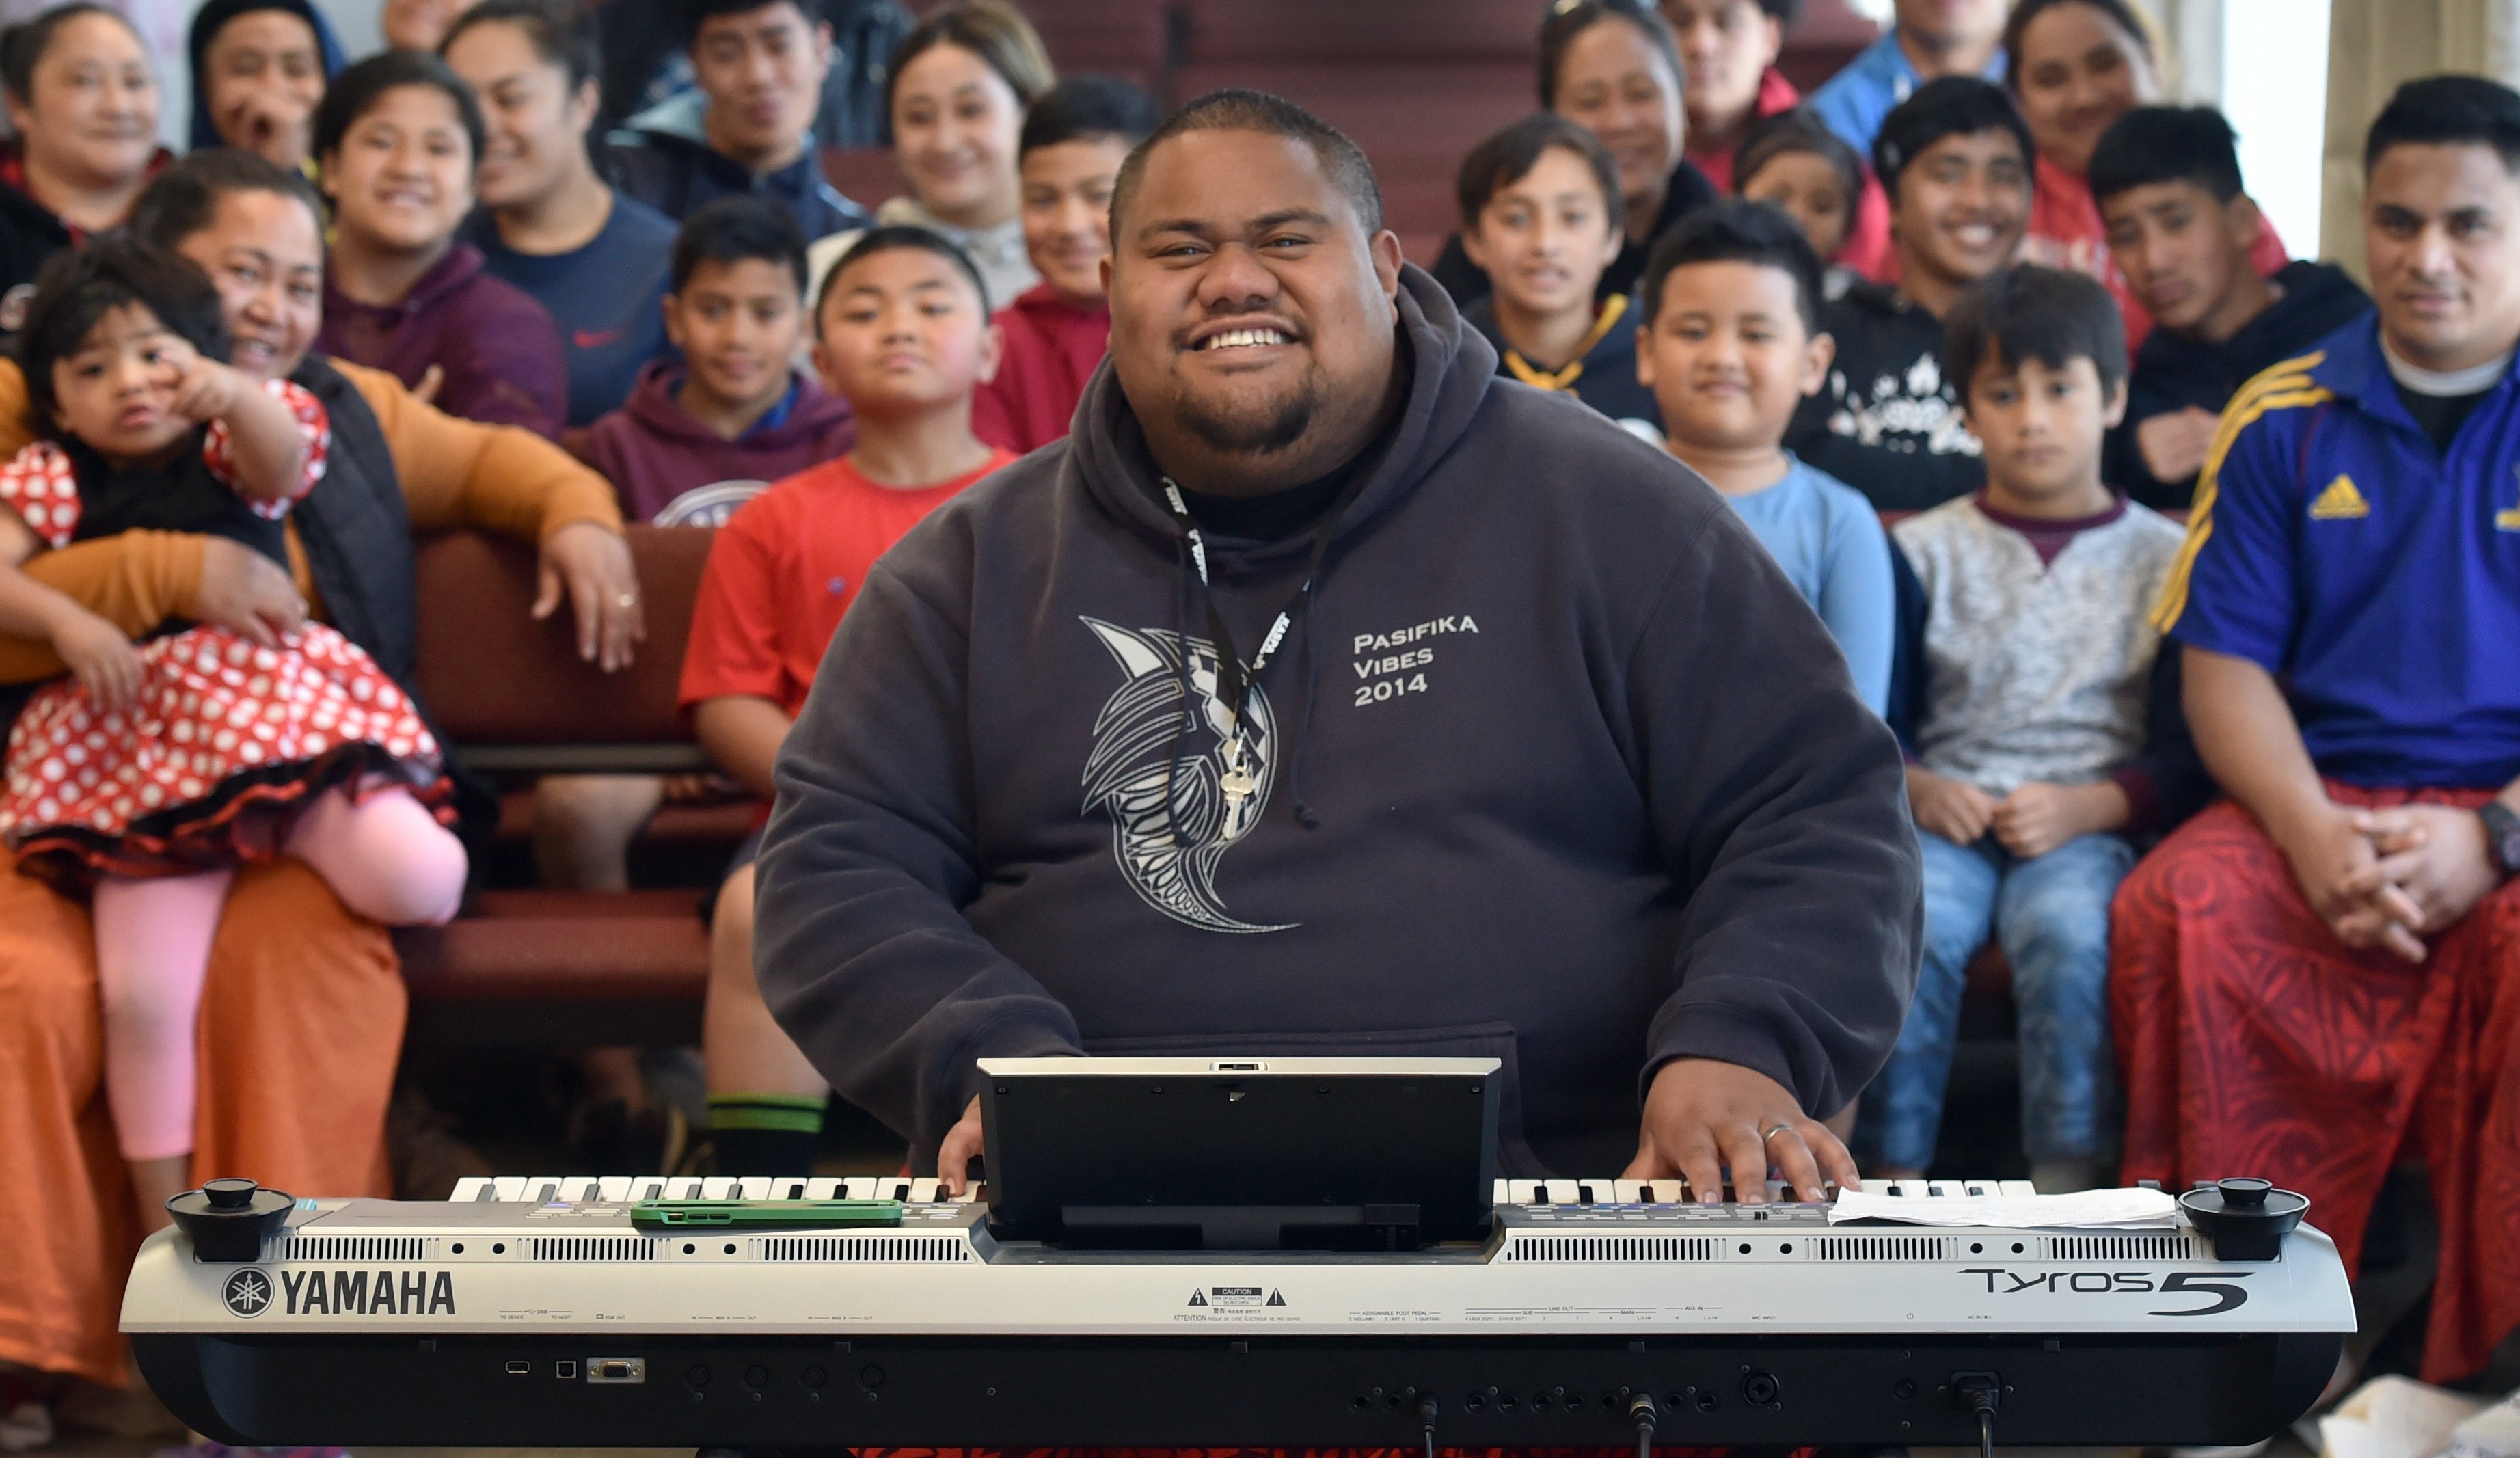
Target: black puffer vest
(357, 531)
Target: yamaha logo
(247, 1293)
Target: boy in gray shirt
(2036, 750)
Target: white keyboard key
(789, 1188)
(922, 1192)
(895, 1188)
(1560, 1191)
(542, 1189)
(688, 1189)
(648, 1187)
(1503, 1194)
(756, 1187)
(860, 1187)
(822, 1189)
(614, 1187)
(2017, 1187)
(1525, 1191)
(724, 1188)
(474, 1187)
(1628, 1190)
(510, 1188)
(1668, 1191)
(974, 1193)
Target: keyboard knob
(227, 1220)
(2246, 1219)
(2244, 1194)
(237, 1194)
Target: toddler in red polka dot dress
(152, 770)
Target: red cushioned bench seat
(512, 695)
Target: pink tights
(386, 856)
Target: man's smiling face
(1251, 310)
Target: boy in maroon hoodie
(1074, 139)
(700, 436)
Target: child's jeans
(2051, 917)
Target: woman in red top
(2078, 66)
(1730, 82)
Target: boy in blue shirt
(1728, 341)
(1927, 41)
(2319, 977)
(2043, 740)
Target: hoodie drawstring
(1304, 815)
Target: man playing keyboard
(1322, 693)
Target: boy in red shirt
(905, 337)
(1074, 140)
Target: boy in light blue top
(1728, 341)
(1928, 40)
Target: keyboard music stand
(1241, 1153)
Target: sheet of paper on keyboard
(2091, 1209)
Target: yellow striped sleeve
(2284, 386)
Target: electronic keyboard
(534, 1312)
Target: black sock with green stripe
(764, 1134)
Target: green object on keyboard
(763, 1215)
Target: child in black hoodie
(2168, 183)
(1542, 216)
(1956, 160)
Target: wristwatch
(2501, 837)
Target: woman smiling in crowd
(83, 105)
(397, 136)
(957, 94)
(595, 259)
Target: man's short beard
(1281, 428)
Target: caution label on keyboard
(1242, 1302)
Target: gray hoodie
(1556, 766)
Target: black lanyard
(1233, 678)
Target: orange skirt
(301, 1025)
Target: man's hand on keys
(1703, 1116)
